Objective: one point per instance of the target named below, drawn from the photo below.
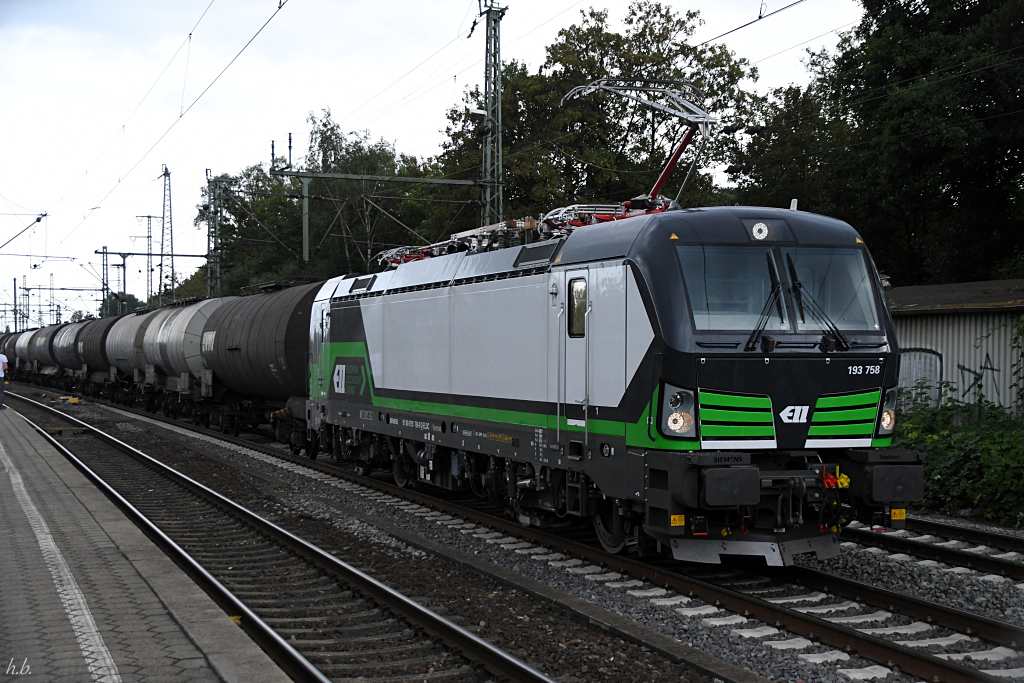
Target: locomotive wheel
(478, 477)
(609, 527)
(403, 469)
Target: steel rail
(927, 666)
(970, 535)
(494, 659)
(734, 674)
(924, 665)
(909, 660)
(930, 551)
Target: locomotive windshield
(729, 287)
(837, 280)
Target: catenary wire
(281, 5)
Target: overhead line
(749, 23)
(400, 78)
(793, 47)
(187, 38)
(152, 86)
(280, 6)
(38, 219)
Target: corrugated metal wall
(973, 351)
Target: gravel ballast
(368, 525)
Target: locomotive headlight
(887, 422)
(680, 422)
(677, 410)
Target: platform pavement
(85, 596)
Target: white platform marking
(90, 641)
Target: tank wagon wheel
(311, 444)
(280, 431)
(610, 527)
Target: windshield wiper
(774, 299)
(831, 330)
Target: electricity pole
(491, 209)
(149, 259)
(213, 263)
(166, 238)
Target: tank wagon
(231, 361)
(92, 341)
(256, 348)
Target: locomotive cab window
(836, 282)
(729, 286)
(577, 307)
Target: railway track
(319, 617)
(917, 637)
(988, 552)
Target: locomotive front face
(790, 306)
(779, 375)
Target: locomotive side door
(576, 361)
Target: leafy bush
(973, 455)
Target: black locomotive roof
(717, 225)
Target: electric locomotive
(708, 382)
(716, 381)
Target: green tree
(911, 131)
(117, 303)
(602, 149)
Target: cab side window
(577, 307)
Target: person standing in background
(3, 375)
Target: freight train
(702, 382)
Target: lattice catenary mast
(491, 208)
(166, 240)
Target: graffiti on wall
(972, 381)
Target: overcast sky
(78, 126)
